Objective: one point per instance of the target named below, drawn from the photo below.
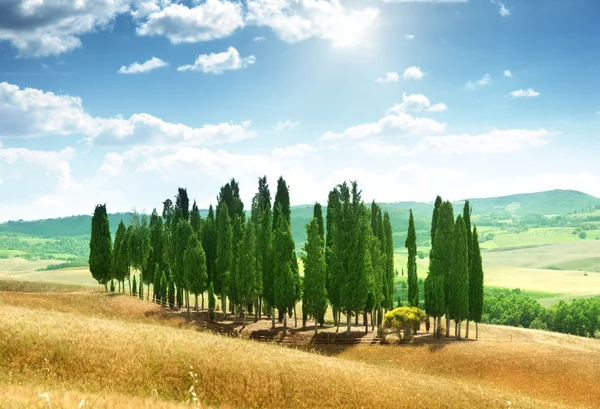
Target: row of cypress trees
(454, 284)
(253, 263)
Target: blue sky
(122, 101)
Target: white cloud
(31, 112)
(389, 77)
(508, 74)
(523, 93)
(295, 21)
(485, 80)
(417, 103)
(217, 63)
(205, 22)
(257, 39)
(413, 73)
(149, 65)
(425, 1)
(280, 126)
(409, 36)
(504, 12)
(44, 28)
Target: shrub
(404, 321)
(597, 334)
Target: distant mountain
(553, 202)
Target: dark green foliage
(284, 280)
(434, 218)
(233, 292)
(318, 214)
(164, 285)
(476, 280)
(195, 266)
(182, 236)
(262, 222)
(224, 250)
(389, 261)
(411, 245)
(100, 259)
(120, 266)
(230, 195)
(134, 286)
(245, 279)
(458, 302)
(182, 203)
(157, 240)
(511, 308)
(211, 302)
(331, 259)
(209, 242)
(467, 210)
(282, 203)
(195, 219)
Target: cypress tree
(195, 268)
(467, 218)
(171, 291)
(211, 302)
(264, 276)
(233, 290)
(331, 251)
(378, 260)
(411, 268)
(246, 271)
(156, 239)
(157, 289)
(183, 232)
(284, 282)
(120, 267)
(195, 219)
(134, 291)
(100, 258)
(209, 242)
(434, 218)
(459, 279)
(389, 261)
(318, 213)
(164, 284)
(476, 283)
(282, 202)
(182, 203)
(224, 253)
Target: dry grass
(45, 344)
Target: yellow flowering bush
(405, 321)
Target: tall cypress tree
(434, 218)
(459, 275)
(411, 268)
(224, 253)
(314, 291)
(233, 292)
(246, 269)
(209, 242)
(284, 281)
(164, 286)
(195, 268)
(157, 240)
(100, 259)
(476, 283)
(282, 202)
(318, 213)
(195, 219)
(331, 253)
(157, 277)
(467, 219)
(119, 263)
(182, 203)
(389, 261)
(183, 233)
(440, 264)
(263, 222)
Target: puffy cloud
(258, 39)
(413, 73)
(417, 103)
(295, 21)
(280, 126)
(205, 22)
(389, 77)
(507, 73)
(217, 63)
(524, 93)
(149, 65)
(485, 80)
(504, 12)
(31, 112)
(52, 27)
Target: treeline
(579, 317)
(454, 284)
(77, 247)
(250, 263)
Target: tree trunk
(447, 324)
(259, 308)
(467, 330)
(439, 325)
(272, 317)
(196, 302)
(348, 322)
(366, 322)
(304, 317)
(459, 328)
(335, 321)
(455, 328)
(284, 324)
(295, 318)
(202, 302)
(148, 292)
(477, 330)
(106, 287)
(245, 316)
(434, 327)
(256, 310)
(316, 330)
(223, 305)
(336, 318)
(373, 320)
(129, 280)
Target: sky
(123, 101)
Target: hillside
(485, 211)
(87, 347)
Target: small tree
(246, 269)
(405, 321)
(315, 292)
(195, 268)
(411, 245)
(100, 259)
